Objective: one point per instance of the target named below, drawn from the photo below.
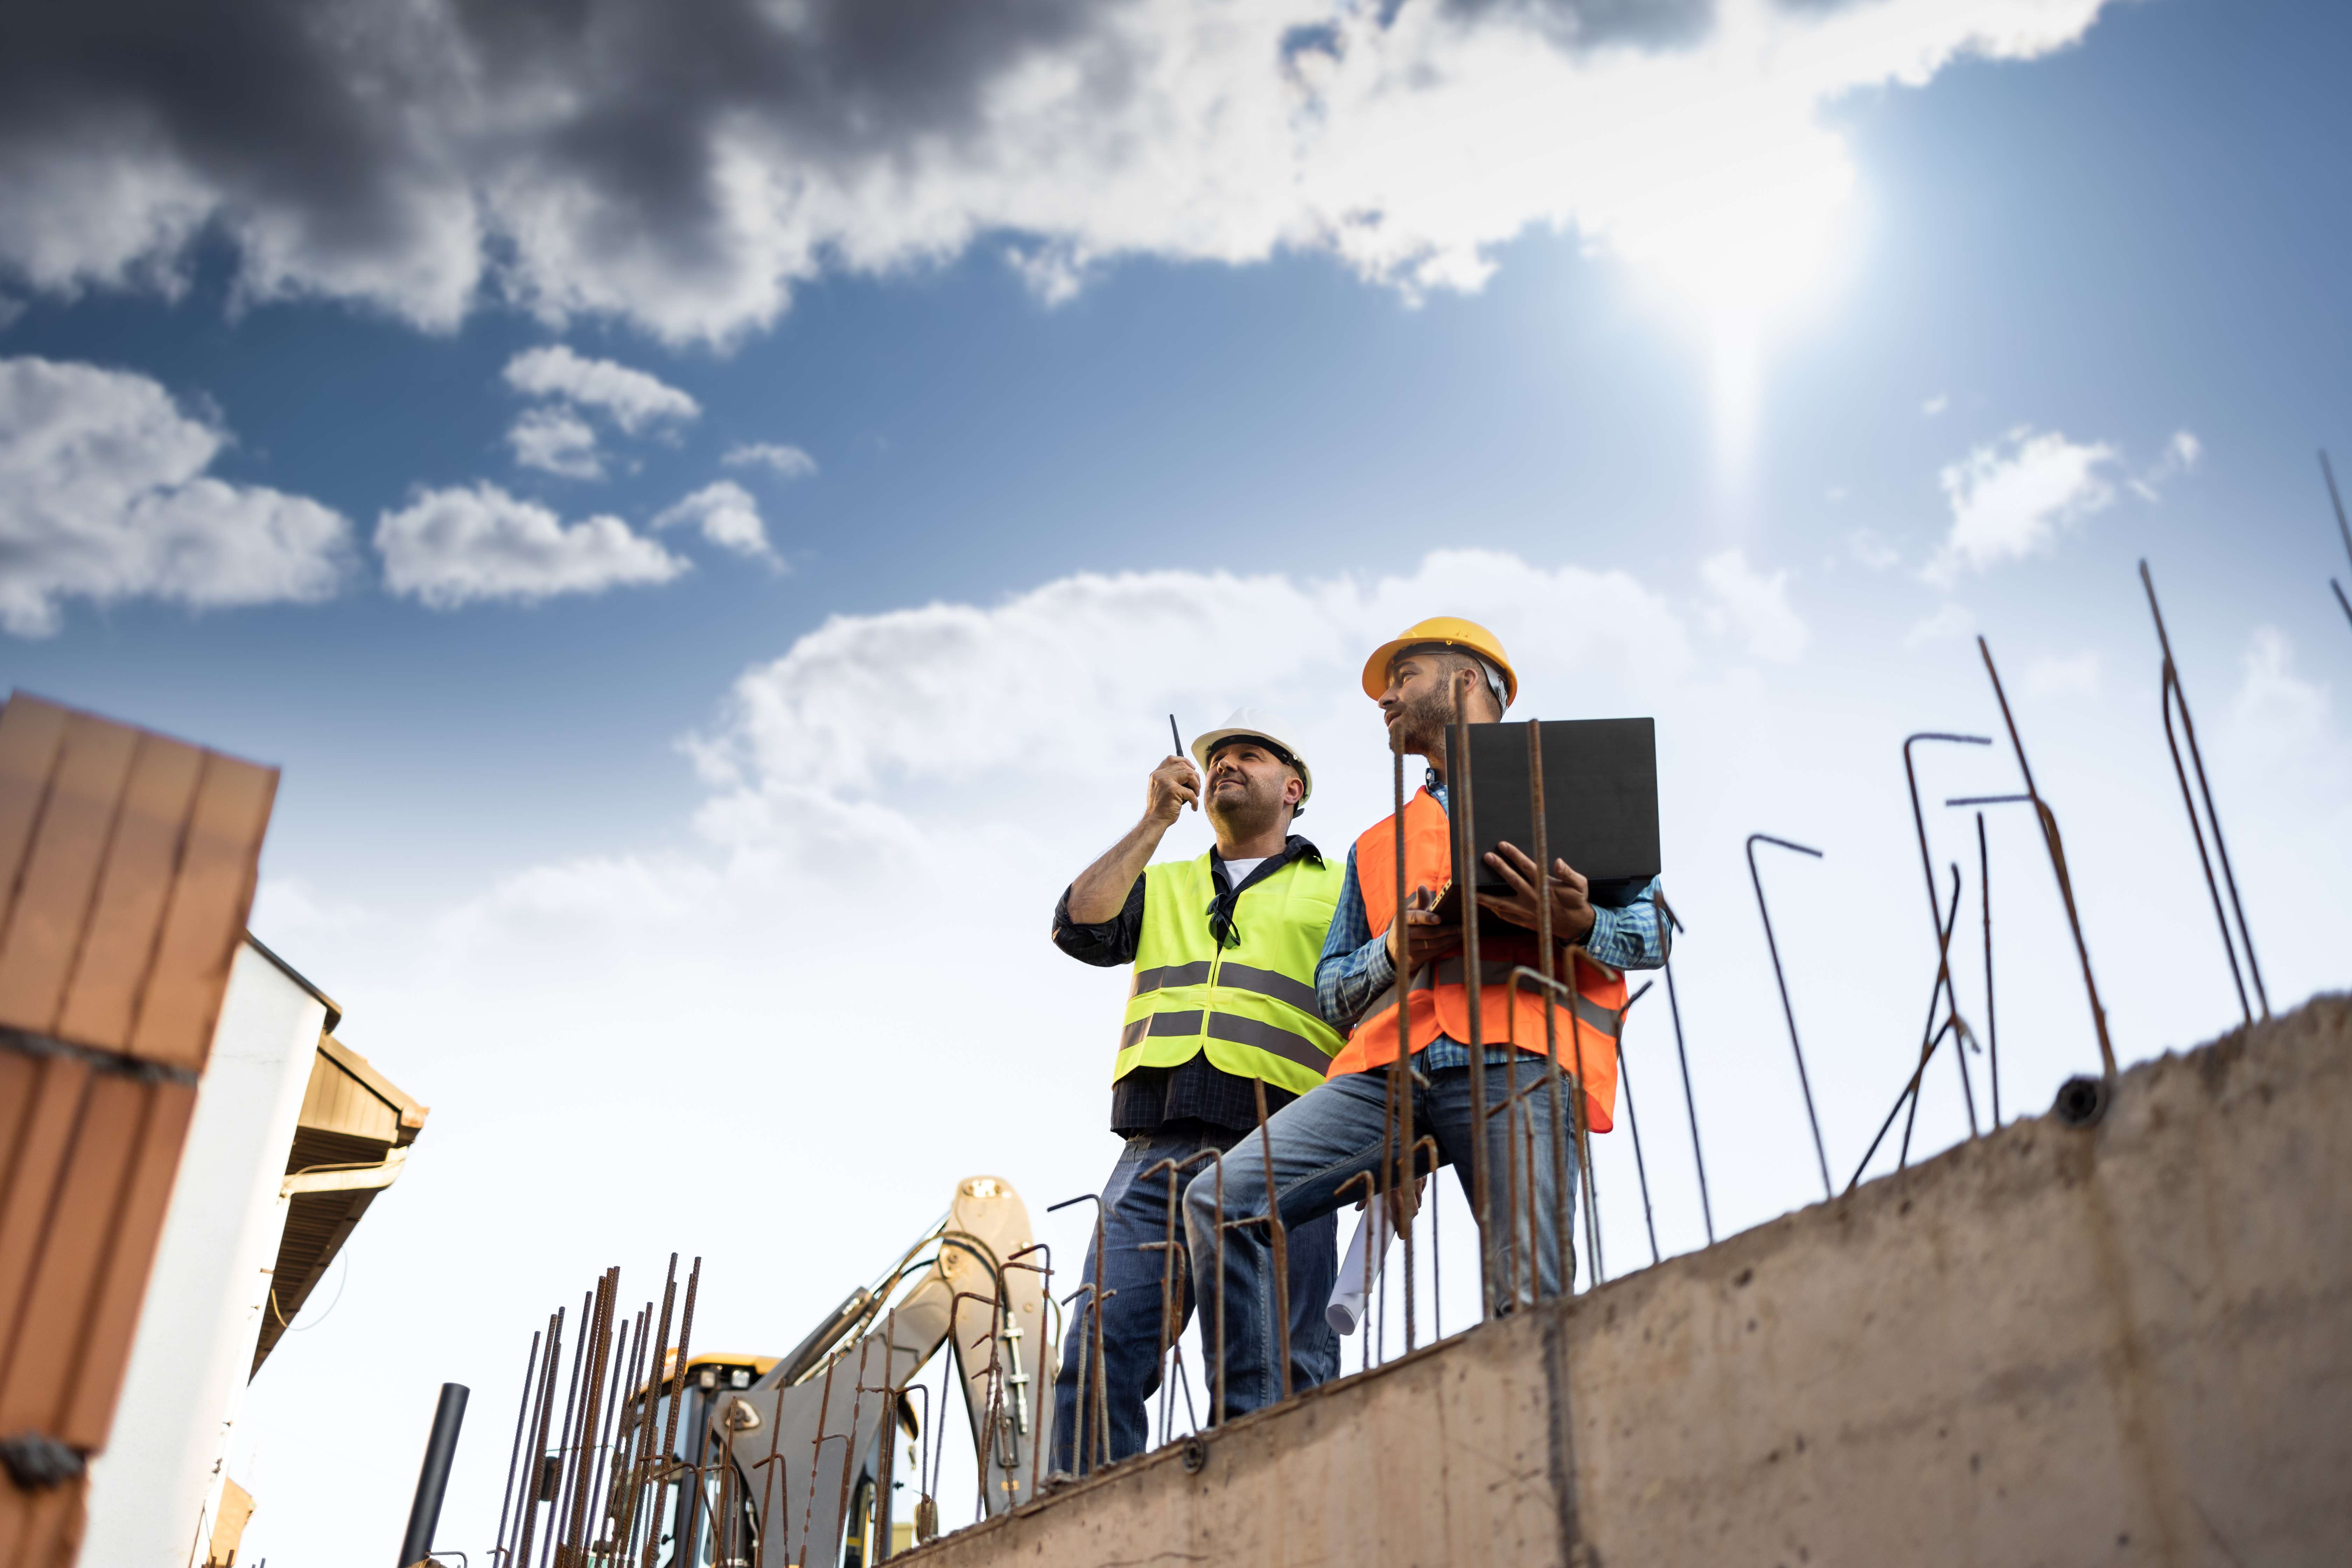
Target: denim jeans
(1327, 1138)
(1134, 1212)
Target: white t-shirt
(1238, 871)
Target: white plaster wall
(154, 1488)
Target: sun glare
(1738, 253)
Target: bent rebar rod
(1942, 927)
(1821, 1151)
(1953, 1022)
(2171, 696)
(1690, 1103)
(1633, 1122)
(2056, 845)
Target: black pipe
(811, 1351)
(433, 1480)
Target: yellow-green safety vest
(1250, 1005)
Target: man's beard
(1255, 809)
(1419, 729)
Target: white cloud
(2012, 498)
(2077, 675)
(727, 515)
(868, 701)
(557, 440)
(444, 152)
(787, 461)
(1754, 605)
(1935, 405)
(630, 398)
(1950, 622)
(453, 547)
(104, 495)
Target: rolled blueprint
(1349, 1294)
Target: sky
(711, 518)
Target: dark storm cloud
(268, 100)
(683, 163)
(337, 116)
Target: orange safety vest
(1439, 1004)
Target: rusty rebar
(1926, 869)
(1561, 1125)
(631, 1334)
(1168, 1249)
(1590, 1204)
(563, 1432)
(1038, 1456)
(2172, 695)
(1959, 1029)
(1930, 1036)
(988, 1444)
(534, 1396)
(2056, 845)
(1821, 1150)
(1281, 1246)
(567, 1447)
(641, 1468)
(1690, 1102)
(1465, 824)
(676, 1400)
(817, 1444)
(1436, 1254)
(1094, 1306)
(1396, 1109)
(1580, 1122)
(1992, 1030)
(514, 1452)
(599, 1341)
(538, 1437)
(1633, 1122)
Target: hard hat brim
(1203, 744)
(1376, 669)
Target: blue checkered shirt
(1354, 972)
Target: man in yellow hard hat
(1435, 670)
(1223, 1008)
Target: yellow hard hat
(1441, 631)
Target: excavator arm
(812, 1437)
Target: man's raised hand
(1174, 785)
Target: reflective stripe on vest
(1437, 1000)
(1250, 1006)
(1449, 973)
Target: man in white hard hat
(1222, 1010)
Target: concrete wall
(154, 1491)
(2126, 1343)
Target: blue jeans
(1327, 1138)
(1134, 1212)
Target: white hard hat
(1257, 724)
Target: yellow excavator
(794, 1459)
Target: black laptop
(1601, 802)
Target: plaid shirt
(1355, 972)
